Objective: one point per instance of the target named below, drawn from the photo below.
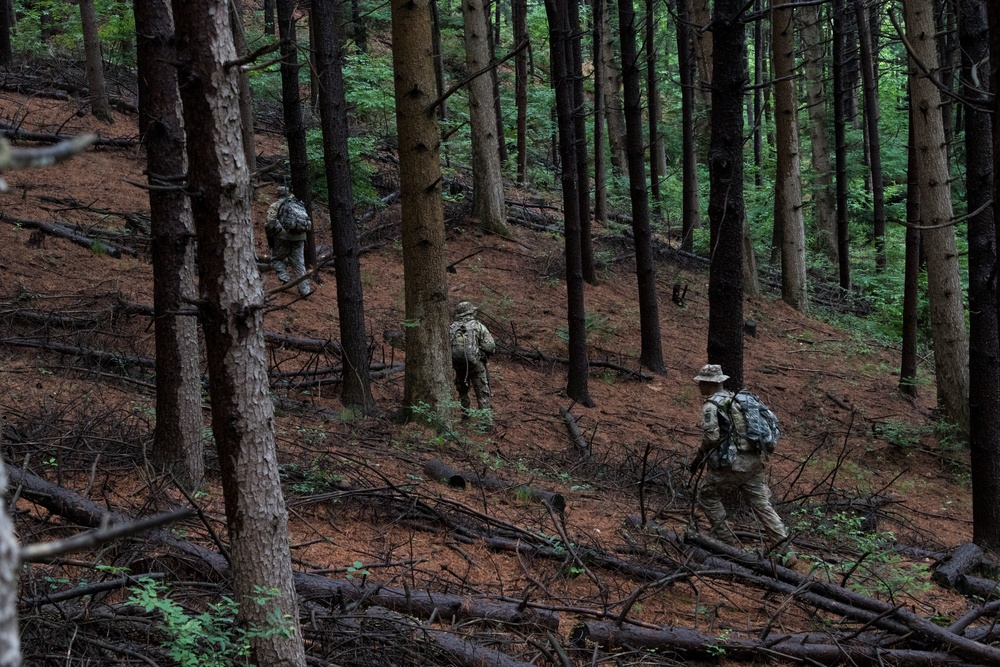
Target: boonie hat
(711, 373)
(465, 308)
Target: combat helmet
(464, 309)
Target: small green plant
(718, 650)
(357, 568)
(210, 638)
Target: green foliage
(210, 638)
(358, 148)
(596, 325)
(876, 570)
(368, 85)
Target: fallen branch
(56, 229)
(441, 471)
(535, 355)
(574, 432)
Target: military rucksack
(762, 424)
(293, 217)
(464, 342)
(762, 430)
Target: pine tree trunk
(291, 107)
(575, 65)
(177, 439)
(726, 208)
(651, 355)
(426, 288)
(95, 62)
(911, 270)
(487, 181)
(519, 9)
(870, 82)
(600, 104)
(232, 317)
(840, 141)
(246, 96)
(685, 64)
(577, 383)
(787, 178)
(984, 326)
(951, 351)
(824, 203)
(612, 92)
(357, 392)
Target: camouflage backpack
(293, 217)
(762, 430)
(464, 342)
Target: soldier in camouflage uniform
(286, 246)
(474, 372)
(745, 475)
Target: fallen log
(536, 355)
(965, 558)
(331, 592)
(984, 589)
(695, 644)
(442, 472)
(831, 597)
(55, 229)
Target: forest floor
(857, 460)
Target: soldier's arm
(711, 433)
(486, 342)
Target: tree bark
(984, 339)
(870, 82)
(726, 208)
(425, 283)
(6, 54)
(291, 107)
(519, 9)
(951, 347)
(911, 270)
(487, 181)
(612, 92)
(177, 439)
(824, 202)
(600, 119)
(787, 173)
(575, 71)
(700, 15)
(559, 41)
(357, 392)
(840, 144)
(232, 311)
(95, 62)
(651, 355)
(691, 219)
(246, 94)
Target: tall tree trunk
(686, 65)
(577, 383)
(787, 183)
(984, 326)
(359, 29)
(177, 441)
(755, 119)
(350, 294)
(6, 54)
(600, 106)
(700, 14)
(575, 71)
(232, 316)
(612, 92)
(493, 36)
(246, 97)
(519, 9)
(651, 355)
(425, 282)
(442, 108)
(951, 348)
(269, 17)
(487, 181)
(824, 203)
(95, 62)
(291, 106)
(725, 208)
(656, 169)
(911, 270)
(840, 95)
(947, 45)
(870, 83)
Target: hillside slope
(364, 507)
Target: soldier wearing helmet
(471, 346)
(287, 245)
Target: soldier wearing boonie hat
(744, 473)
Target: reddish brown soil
(835, 394)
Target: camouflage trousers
(290, 253)
(472, 375)
(751, 483)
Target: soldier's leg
(298, 261)
(462, 385)
(758, 495)
(710, 501)
(281, 250)
(482, 387)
